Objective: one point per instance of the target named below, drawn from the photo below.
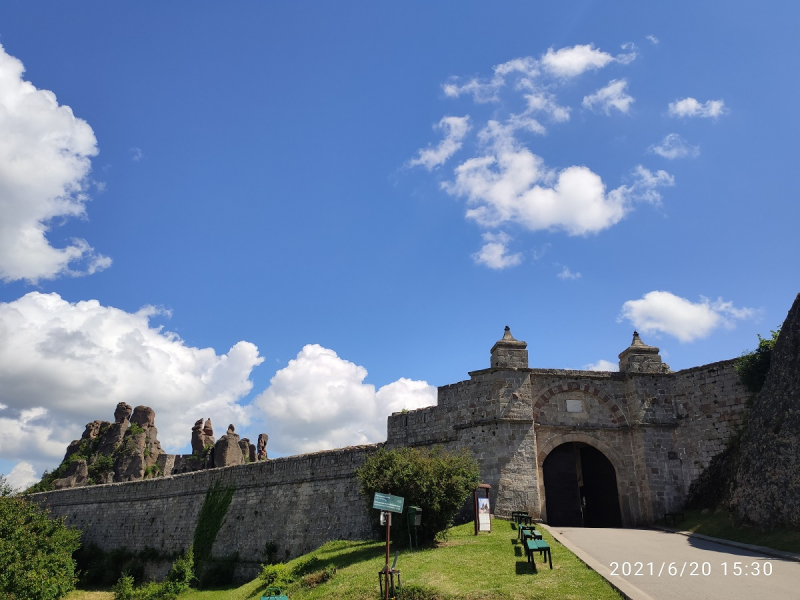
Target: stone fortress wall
(657, 428)
(298, 502)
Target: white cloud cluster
(689, 107)
(511, 184)
(63, 365)
(613, 96)
(664, 312)
(45, 154)
(454, 128)
(601, 365)
(320, 401)
(566, 274)
(22, 476)
(571, 62)
(494, 253)
(674, 146)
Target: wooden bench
(674, 517)
(273, 593)
(528, 530)
(533, 545)
(517, 516)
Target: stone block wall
(297, 502)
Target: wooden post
(386, 568)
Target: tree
(35, 550)
(753, 366)
(437, 481)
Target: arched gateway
(580, 486)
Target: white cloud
(664, 312)
(674, 146)
(652, 39)
(454, 128)
(567, 274)
(689, 107)
(571, 62)
(45, 156)
(136, 154)
(22, 476)
(601, 365)
(320, 401)
(494, 253)
(63, 365)
(610, 97)
(511, 184)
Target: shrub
(436, 480)
(35, 550)
(178, 581)
(277, 575)
(753, 366)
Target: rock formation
(109, 452)
(202, 436)
(140, 447)
(227, 451)
(767, 488)
(262, 446)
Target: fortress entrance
(580, 486)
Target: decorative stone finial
(641, 358)
(509, 352)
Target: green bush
(753, 366)
(35, 550)
(437, 481)
(277, 575)
(178, 581)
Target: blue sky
(298, 218)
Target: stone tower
(509, 352)
(641, 358)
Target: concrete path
(645, 564)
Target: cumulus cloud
(511, 184)
(674, 146)
(664, 312)
(601, 365)
(613, 96)
(566, 274)
(45, 154)
(320, 401)
(65, 364)
(22, 476)
(571, 62)
(454, 128)
(494, 253)
(689, 107)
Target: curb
(741, 545)
(626, 590)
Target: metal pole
(386, 568)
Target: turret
(509, 352)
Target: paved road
(640, 560)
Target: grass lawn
(489, 566)
(720, 524)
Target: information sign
(388, 502)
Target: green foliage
(209, 521)
(134, 429)
(307, 570)
(436, 480)
(753, 366)
(178, 581)
(97, 568)
(102, 465)
(35, 550)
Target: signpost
(388, 504)
(483, 520)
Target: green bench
(273, 593)
(533, 545)
(528, 530)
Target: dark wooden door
(560, 472)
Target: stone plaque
(574, 406)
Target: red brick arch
(617, 415)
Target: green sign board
(388, 502)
